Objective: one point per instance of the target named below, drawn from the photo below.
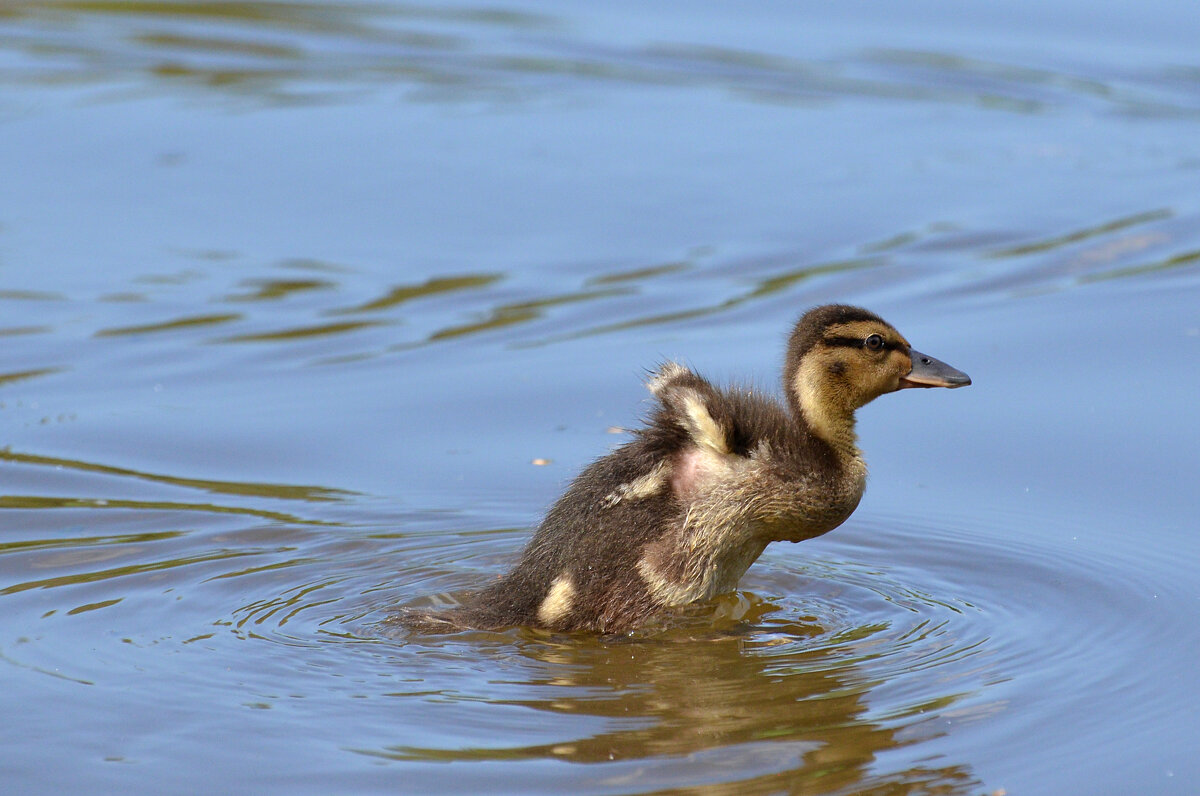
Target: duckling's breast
(818, 502)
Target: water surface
(294, 296)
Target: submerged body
(679, 513)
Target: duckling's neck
(835, 428)
(818, 406)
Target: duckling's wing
(688, 402)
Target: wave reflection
(306, 52)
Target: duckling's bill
(929, 372)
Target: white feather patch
(558, 601)
(644, 486)
(705, 431)
(665, 375)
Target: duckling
(679, 513)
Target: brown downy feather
(681, 511)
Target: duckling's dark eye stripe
(859, 342)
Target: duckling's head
(841, 357)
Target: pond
(311, 309)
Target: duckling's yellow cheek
(884, 378)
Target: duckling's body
(680, 512)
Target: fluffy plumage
(680, 512)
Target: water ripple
(887, 632)
(838, 652)
(318, 52)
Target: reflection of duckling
(679, 513)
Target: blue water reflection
(311, 308)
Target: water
(294, 295)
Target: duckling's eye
(873, 343)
